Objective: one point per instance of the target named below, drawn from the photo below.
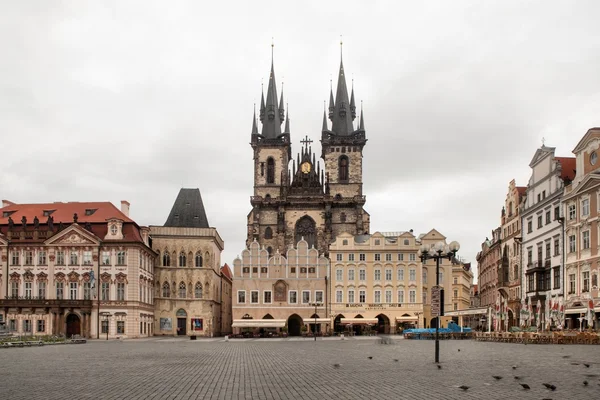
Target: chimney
(6, 203)
(125, 207)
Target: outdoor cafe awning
(319, 320)
(258, 323)
(468, 311)
(580, 310)
(407, 318)
(359, 321)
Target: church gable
(74, 234)
(540, 154)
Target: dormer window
(113, 230)
(7, 214)
(90, 211)
(47, 213)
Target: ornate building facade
(75, 269)
(581, 209)
(509, 276)
(307, 201)
(542, 227)
(488, 265)
(190, 281)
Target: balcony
(36, 302)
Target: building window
(529, 256)
(105, 258)
(351, 257)
(105, 326)
(455, 293)
(338, 257)
(556, 212)
(28, 288)
(87, 291)
(28, 257)
(339, 296)
(556, 247)
(377, 242)
(166, 259)
(400, 296)
(362, 257)
(441, 278)
(351, 274)
(87, 258)
(198, 290)
(305, 296)
(198, 260)
(166, 289)
(41, 325)
(388, 257)
(41, 257)
(424, 276)
(572, 244)
(105, 292)
(121, 291)
(412, 257)
(424, 296)
(548, 217)
(254, 296)
(339, 275)
(388, 296)
(74, 260)
(571, 284)
(15, 258)
(267, 297)
(572, 211)
(400, 257)
(241, 297)
(27, 325)
(343, 219)
(548, 254)
(343, 169)
(455, 306)
(529, 226)
(42, 290)
(318, 296)
(73, 290)
(400, 273)
(388, 274)
(12, 325)
(540, 221)
(362, 296)
(585, 239)
(530, 283)
(377, 275)
(412, 296)
(585, 207)
(377, 257)
(412, 274)
(120, 327)
(586, 281)
(293, 297)
(60, 287)
(362, 275)
(377, 296)
(270, 170)
(121, 257)
(556, 278)
(350, 296)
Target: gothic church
(307, 201)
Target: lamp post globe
(439, 247)
(454, 246)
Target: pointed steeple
(331, 101)
(362, 119)
(352, 105)
(271, 127)
(287, 121)
(254, 127)
(262, 103)
(281, 109)
(342, 114)
(325, 122)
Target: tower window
(343, 169)
(268, 233)
(262, 169)
(270, 170)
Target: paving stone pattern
(170, 368)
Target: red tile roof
(568, 167)
(225, 270)
(63, 212)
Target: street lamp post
(106, 316)
(438, 252)
(316, 305)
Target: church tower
(306, 202)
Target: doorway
(181, 322)
(383, 324)
(73, 325)
(294, 325)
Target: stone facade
(85, 270)
(280, 287)
(581, 209)
(488, 265)
(509, 276)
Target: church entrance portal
(294, 325)
(73, 325)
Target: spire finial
(272, 48)
(543, 141)
(341, 46)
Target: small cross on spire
(543, 141)
(306, 140)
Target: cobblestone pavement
(172, 368)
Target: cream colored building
(72, 268)
(278, 293)
(188, 297)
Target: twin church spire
(342, 110)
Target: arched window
(182, 290)
(182, 259)
(270, 170)
(207, 258)
(270, 250)
(166, 290)
(268, 233)
(305, 228)
(510, 209)
(166, 259)
(198, 290)
(343, 169)
(198, 259)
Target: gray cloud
(113, 100)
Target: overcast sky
(133, 100)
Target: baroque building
(306, 200)
(581, 208)
(190, 281)
(542, 227)
(509, 276)
(75, 269)
(488, 265)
